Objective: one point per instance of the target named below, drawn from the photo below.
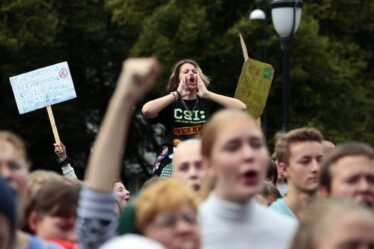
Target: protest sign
(254, 83)
(42, 88)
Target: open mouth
(127, 197)
(191, 80)
(250, 177)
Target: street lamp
(257, 14)
(286, 16)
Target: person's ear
(33, 221)
(283, 169)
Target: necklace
(190, 112)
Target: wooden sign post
(53, 124)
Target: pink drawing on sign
(63, 73)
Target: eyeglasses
(170, 220)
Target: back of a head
(272, 172)
(132, 241)
(7, 214)
(341, 151)
(320, 220)
(284, 141)
(327, 147)
(270, 190)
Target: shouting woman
(184, 110)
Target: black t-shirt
(179, 124)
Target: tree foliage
(331, 63)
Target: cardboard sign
(43, 87)
(254, 83)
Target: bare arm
(152, 108)
(105, 160)
(228, 102)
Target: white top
(229, 225)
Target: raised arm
(105, 160)
(225, 101)
(96, 216)
(152, 108)
(64, 161)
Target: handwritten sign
(43, 87)
(254, 83)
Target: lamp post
(286, 16)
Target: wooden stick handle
(244, 47)
(53, 124)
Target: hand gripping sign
(42, 88)
(254, 83)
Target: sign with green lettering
(254, 83)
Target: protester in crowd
(281, 184)
(14, 167)
(8, 216)
(121, 192)
(52, 212)
(234, 150)
(185, 109)
(97, 219)
(299, 153)
(272, 172)
(37, 179)
(119, 189)
(348, 172)
(327, 147)
(188, 164)
(335, 224)
(270, 193)
(165, 212)
(64, 161)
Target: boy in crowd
(187, 164)
(348, 172)
(299, 153)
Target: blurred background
(331, 66)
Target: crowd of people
(215, 184)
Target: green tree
(331, 57)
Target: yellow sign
(254, 84)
